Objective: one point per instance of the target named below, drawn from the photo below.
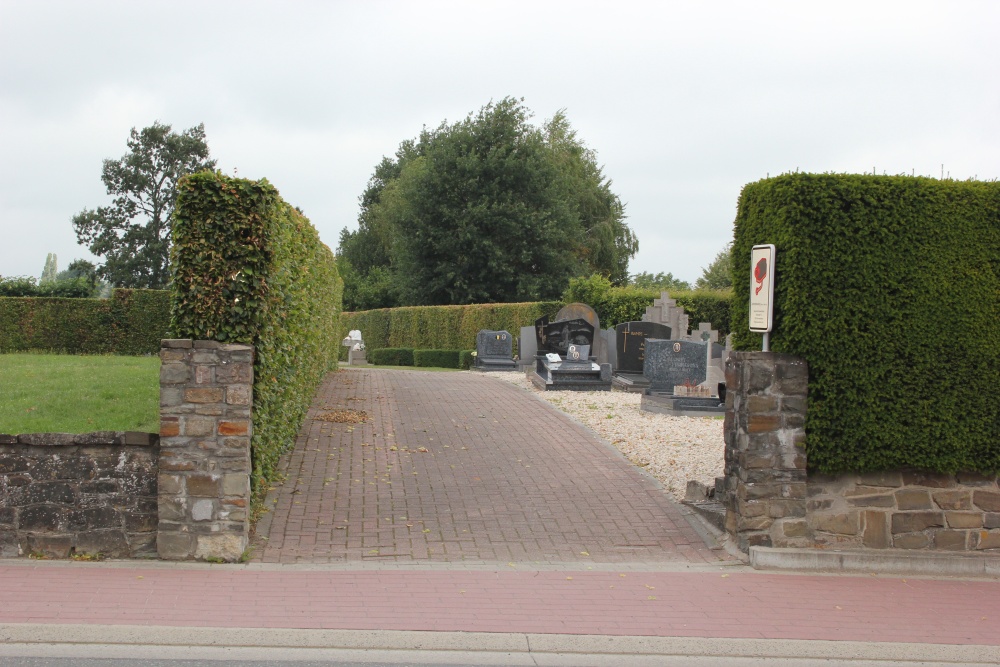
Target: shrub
(248, 268)
(888, 287)
(76, 288)
(131, 322)
(391, 356)
(615, 305)
(466, 359)
(436, 358)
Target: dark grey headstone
(630, 343)
(556, 337)
(494, 344)
(669, 363)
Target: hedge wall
(890, 288)
(441, 327)
(615, 305)
(131, 322)
(248, 268)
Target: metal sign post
(762, 291)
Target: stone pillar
(765, 473)
(206, 391)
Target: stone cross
(666, 311)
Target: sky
(683, 102)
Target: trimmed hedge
(466, 360)
(441, 327)
(248, 268)
(131, 322)
(889, 287)
(615, 305)
(391, 356)
(436, 358)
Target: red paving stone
(457, 467)
(738, 604)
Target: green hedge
(390, 356)
(248, 268)
(131, 322)
(466, 359)
(888, 287)
(441, 327)
(615, 305)
(436, 358)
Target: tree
(133, 234)
(80, 270)
(659, 281)
(51, 269)
(488, 209)
(718, 274)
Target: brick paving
(737, 604)
(453, 467)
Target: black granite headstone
(631, 343)
(556, 337)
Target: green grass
(56, 393)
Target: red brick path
(667, 604)
(458, 467)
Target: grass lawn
(62, 393)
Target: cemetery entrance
(414, 466)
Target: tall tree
(718, 274)
(660, 281)
(133, 234)
(487, 209)
(51, 269)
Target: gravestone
(355, 349)
(495, 351)
(666, 311)
(527, 347)
(611, 341)
(564, 360)
(581, 311)
(672, 363)
(630, 343)
(556, 337)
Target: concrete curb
(27, 635)
(888, 561)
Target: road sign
(762, 288)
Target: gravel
(672, 449)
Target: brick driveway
(454, 467)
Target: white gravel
(673, 449)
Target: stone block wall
(63, 495)
(206, 391)
(771, 500)
(905, 510)
(764, 489)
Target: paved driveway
(462, 467)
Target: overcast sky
(684, 102)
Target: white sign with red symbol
(762, 288)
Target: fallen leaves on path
(344, 416)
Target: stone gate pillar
(765, 465)
(206, 392)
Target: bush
(249, 268)
(615, 305)
(391, 356)
(131, 322)
(466, 359)
(76, 288)
(888, 287)
(436, 358)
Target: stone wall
(206, 391)
(770, 499)
(905, 510)
(764, 491)
(64, 495)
